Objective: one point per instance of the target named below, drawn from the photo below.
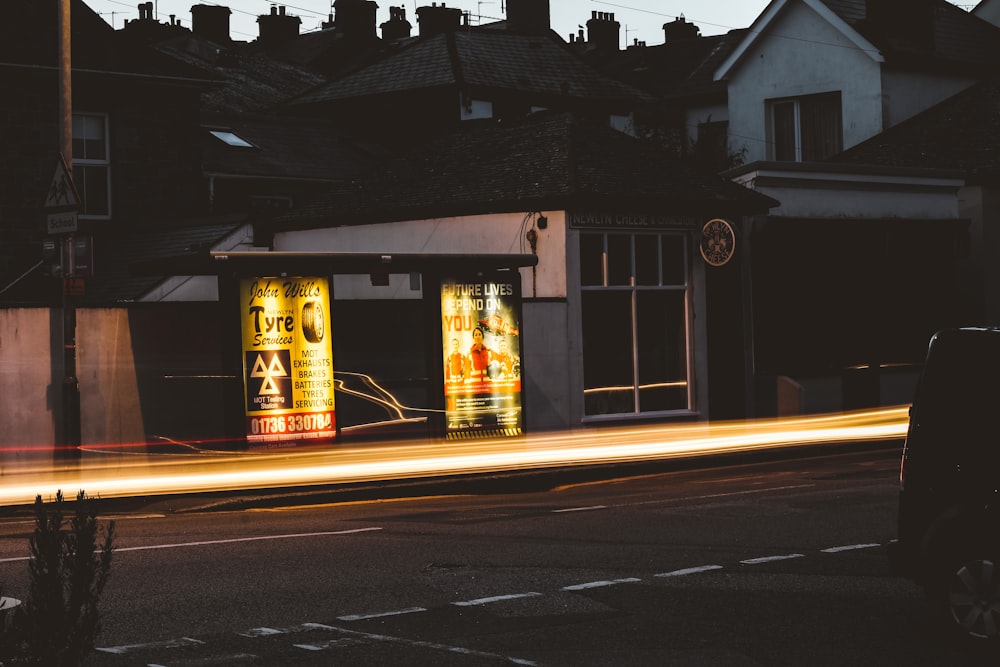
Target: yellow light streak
(124, 472)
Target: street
(761, 563)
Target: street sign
(62, 192)
(63, 222)
(61, 202)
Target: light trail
(120, 472)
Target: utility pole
(70, 442)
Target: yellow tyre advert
(287, 359)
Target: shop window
(634, 299)
(807, 128)
(92, 165)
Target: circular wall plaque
(718, 241)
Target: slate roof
(961, 133)
(308, 149)
(548, 161)
(249, 80)
(956, 37)
(541, 65)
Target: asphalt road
(771, 562)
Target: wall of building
(802, 54)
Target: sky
(640, 19)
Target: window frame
(634, 288)
(814, 104)
(94, 163)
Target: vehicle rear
(949, 499)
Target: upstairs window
(805, 129)
(92, 164)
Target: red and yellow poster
(287, 359)
(480, 332)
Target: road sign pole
(70, 386)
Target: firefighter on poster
(482, 356)
(287, 359)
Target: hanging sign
(718, 242)
(481, 340)
(287, 359)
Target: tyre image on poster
(287, 359)
(481, 340)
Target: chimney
(211, 22)
(679, 29)
(355, 19)
(277, 27)
(397, 27)
(602, 30)
(530, 16)
(434, 20)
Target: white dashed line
(266, 632)
(495, 598)
(849, 547)
(689, 570)
(398, 612)
(246, 539)
(169, 643)
(770, 559)
(599, 584)
(319, 646)
(581, 509)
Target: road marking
(266, 632)
(246, 539)
(689, 570)
(319, 646)
(169, 643)
(599, 584)
(398, 612)
(849, 547)
(581, 509)
(770, 559)
(495, 598)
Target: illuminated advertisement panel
(287, 359)
(480, 334)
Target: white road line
(319, 646)
(397, 612)
(599, 584)
(581, 509)
(849, 547)
(266, 632)
(246, 539)
(689, 570)
(495, 598)
(770, 559)
(168, 643)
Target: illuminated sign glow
(481, 339)
(287, 359)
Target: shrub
(58, 622)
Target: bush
(58, 622)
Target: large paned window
(806, 128)
(92, 164)
(635, 323)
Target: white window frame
(105, 163)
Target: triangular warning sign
(62, 192)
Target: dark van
(949, 500)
